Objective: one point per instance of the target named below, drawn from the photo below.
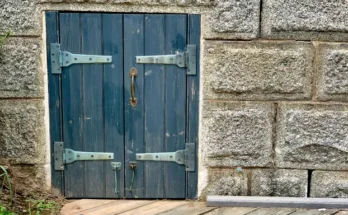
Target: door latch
(65, 156)
(185, 157)
(61, 59)
(116, 166)
(184, 59)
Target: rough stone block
(232, 19)
(20, 66)
(312, 136)
(281, 182)
(226, 182)
(22, 133)
(258, 70)
(305, 19)
(237, 134)
(138, 2)
(329, 184)
(20, 16)
(332, 67)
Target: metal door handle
(116, 166)
(133, 73)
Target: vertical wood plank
(175, 106)
(93, 128)
(134, 117)
(154, 104)
(113, 101)
(54, 90)
(72, 104)
(193, 103)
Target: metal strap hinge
(185, 157)
(61, 59)
(184, 59)
(64, 156)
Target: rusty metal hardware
(133, 73)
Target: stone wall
(274, 92)
(275, 107)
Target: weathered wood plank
(156, 208)
(72, 98)
(154, 105)
(228, 211)
(113, 101)
(55, 106)
(83, 205)
(315, 212)
(134, 117)
(342, 213)
(116, 207)
(285, 211)
(93, 128)
(264, 211)
(192, 208)
(194, 23)
(175, 105)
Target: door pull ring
(133, 73)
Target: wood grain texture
(232, 210)
(54, 90)
(155, 208)
(315, 212)
(116, 207)
(265, 211)
(83, 205)
(93, 128)
(194, 23)
(154, 105)
(192, 208)
(72, 100)
(103, 207)
(175, 106)
(113, 101)
(134, 116)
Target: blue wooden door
(91, 111)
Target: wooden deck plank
(116, 207)
(228, 211)
(285, 211)
(192, 208)
(81, 205)
(265, 211)
(342, 213)
(155, 208)
(315, 212)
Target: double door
(140, 119)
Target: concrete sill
(287, 202)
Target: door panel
(92, 114)
(97, 115)
(154, 104)
(175, 108)
(72, 100)
(192, 99)
(113, 100)
(92, 97)
(134, 117)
